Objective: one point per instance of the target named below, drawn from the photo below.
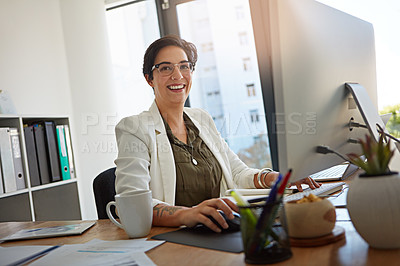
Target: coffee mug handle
(109, 214)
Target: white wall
(33, 66)
(54, 60)
(94, 111)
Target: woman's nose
(176, 74)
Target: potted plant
(373, 199)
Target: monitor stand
(372, 119)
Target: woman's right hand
(166, 215)
(198, 214)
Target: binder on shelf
(7, 161)
(17, 158)
(41, 153)
(1, 181)
(31, 155)
(62, 152)
(69, 151)
(52, 151)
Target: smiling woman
(176, 151)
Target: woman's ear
(149, 81)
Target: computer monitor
(374, 122)
(306, 52)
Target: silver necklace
(194, 161)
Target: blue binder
(63, 153)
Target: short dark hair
(169, 40)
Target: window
(254, 117)
(211, 93)
(208, 68)
(251, 90)
(202, 23)
(225, 51)
(207, 47)
(246, 64)
(243, 39)
(131, 29)
(257, 139)
(240, 15)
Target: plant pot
(310, 219)
(373, 203)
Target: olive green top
(194, 183)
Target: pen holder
(264, 240)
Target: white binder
(1, 180)
(7, 161)
(17, 158)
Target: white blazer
(145, 159)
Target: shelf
(16, 208)
(10, 194)
(53, 201)
(54, 184)
(57, 203)
(8, 116)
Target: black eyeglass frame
(156, 66)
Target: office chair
(104, 192)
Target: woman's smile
(175, 87)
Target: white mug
(135, 212)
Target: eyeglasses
(166, 69)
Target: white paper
(6, 104)
(10, 255)
(261, 191)
(249, 191)
(100, 252)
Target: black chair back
(104, 192)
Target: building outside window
(131, 29)
(233, 49)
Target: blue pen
(268, 205)
(34, 230)
(274, 190)
(259, 235)
(34, 256)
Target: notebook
(64, 230)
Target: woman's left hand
(309, 181)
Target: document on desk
(11, 255)
(100, 252)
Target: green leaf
(377, 154)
